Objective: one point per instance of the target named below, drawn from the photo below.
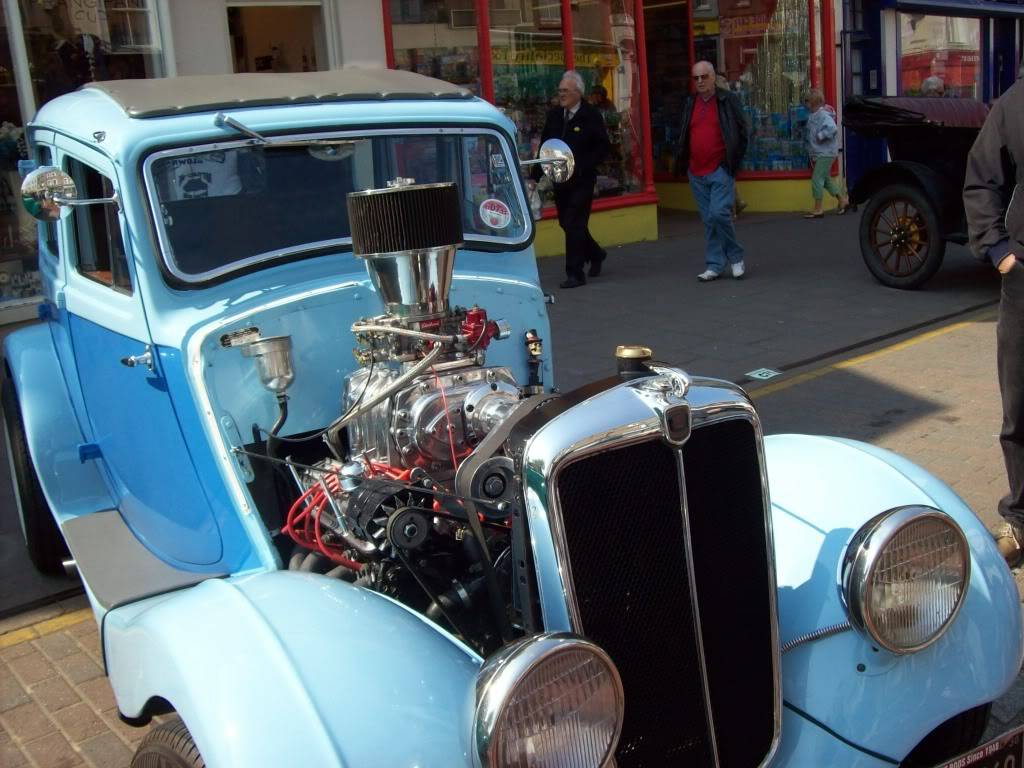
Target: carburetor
(423, 396)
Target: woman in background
(823, 148)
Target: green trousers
(821, 178)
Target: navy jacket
(587, 138)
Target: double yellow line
(817, 373)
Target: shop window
(528, 60)
(667, 30)
(277, 38)
(939, 56)
(437, 38)
(73, 43)
(604, 44)
(763, 56)
(99, 248)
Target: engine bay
(412, 491)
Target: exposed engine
(418, 499)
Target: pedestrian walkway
(56, 706)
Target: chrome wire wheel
(900, 238)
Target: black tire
(954, 737)
(168, 745)
(43, 540)
(900, 237)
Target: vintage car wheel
(168, 745)
(900, 238)
(46, 547)
(953, 737)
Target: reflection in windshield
(226, 208)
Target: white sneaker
(738, 270)
(707, 276)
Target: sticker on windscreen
(495, 214)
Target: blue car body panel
(51, 429)
(285, 668)
(806, 745)
(815, 515)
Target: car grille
(626, 545)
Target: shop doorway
(277, 38)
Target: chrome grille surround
(625, 415)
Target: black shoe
(572, 282)
(595, 265)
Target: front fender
(822, 491)
(283, 668)
(72, 487)
(943, 193)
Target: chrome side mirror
(44, 192)
(48, 194)
(556, 159)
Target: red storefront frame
(648, 195)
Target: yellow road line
(47, 627)
(802, 378)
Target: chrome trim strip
(166, 252)
(688, 541)
(620, 416)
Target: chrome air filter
(408, 235)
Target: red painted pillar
(389, 42)
(640, 34)
(483, 41)
(567, 41)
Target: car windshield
(225, 208)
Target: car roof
(161, 97)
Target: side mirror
(556, 159)
(45, 192)
(48, 194)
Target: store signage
(552, 57)
(705, 28)
(754, 25)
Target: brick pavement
(56, 706)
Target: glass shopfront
(939, 56)
(765, 51)
(66, 43)
(530, 45)
(437, 38)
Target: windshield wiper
(220, 120)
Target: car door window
(99, 247)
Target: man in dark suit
(581, 126)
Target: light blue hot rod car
(329, 509)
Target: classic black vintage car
(914, 201)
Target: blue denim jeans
(715, 194)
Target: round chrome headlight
(548, 701)
(905, 575)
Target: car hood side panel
(822, 491)
(283, 668)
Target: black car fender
(943, 193)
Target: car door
(135, 433)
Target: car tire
(900, 238)
(168, 745)
(46, 546)
(955, 736)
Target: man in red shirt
(711, 147)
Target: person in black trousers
(581, 126)
(994, 203)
